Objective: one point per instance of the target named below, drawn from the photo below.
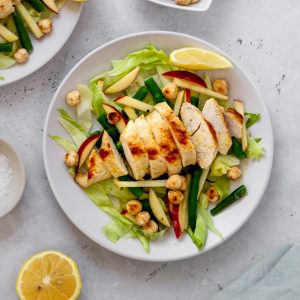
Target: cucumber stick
(22, 32)
(6, 47)
(38, 5)
(7, 34)
(34, 28)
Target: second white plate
(47, 47)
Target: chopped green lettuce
(222, 184)
(77, 136)
(254, 150)
(200, 233)
(203, 200)
(209, 222)
(64, 115)
(83, 109)
(64, 143)
(251, 119)
(222, 164)
(98, 99)
(146, 58)
(116, 229)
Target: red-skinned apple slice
(137, 104)
(124, 82)
(187, 95)
(186, 75)
(51, 5)
(86, 148)
(174, 213)
(113, 113)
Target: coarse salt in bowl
(12, 178)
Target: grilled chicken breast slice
(234, 122)
(214, 115)
(201, 133)
(111, 157)
(134, 151)
(179, 133)
(97, 171)
(157, 162)
(164, 139)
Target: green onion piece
(233, 197)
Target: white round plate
(88, 218)
(202, 5)
(18, 183)
(48, 46)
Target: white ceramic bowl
(87, 217)
(47, 47)
(202, 5)
(18, 183)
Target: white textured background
(264, 37)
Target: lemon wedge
(198, 59)
(49, 275)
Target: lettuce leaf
(251, 119)
(200, 233)
(98, 99)
(254, 150)
(222, 184)
(64, 143)
(77, 136)
(222, 164)
(74, 129)
(209, 222)
(116, 229)
(146, 58)
(83, 109)
(64, 115)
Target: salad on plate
(20, 21)
(156, 142)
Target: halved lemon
(49, 275)
(198, 59)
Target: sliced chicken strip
(97, 171)
(179, 133)
(202, 134)
(214, 115)
(111, 157)
(157, 162)
(134, 151)
(164, 139)
(234, 122)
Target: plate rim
(266, 116)
(39, 66)
(180, 7)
